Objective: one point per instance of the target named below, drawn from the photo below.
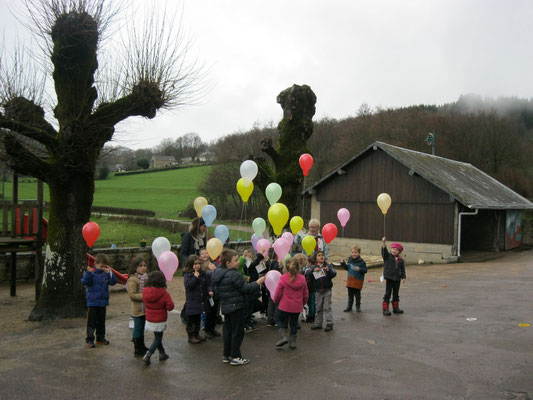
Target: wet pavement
(458, 339)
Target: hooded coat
(231, 289)
(157, 302)
(97, 282)
(291, 296)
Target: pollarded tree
(295, 129)
(64, 153)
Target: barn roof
(464, 182)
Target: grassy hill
(164, 192)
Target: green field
(165, 192)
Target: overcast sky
(388, 53)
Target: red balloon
(306, 162)
(90, 232)
(329, 232)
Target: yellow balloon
(309, 244)
(278, 215)
(297, 223)
(244, 191)
(214, 247)
(384, 202)
(199, 203)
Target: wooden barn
(440, 207)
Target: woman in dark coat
(193, 239)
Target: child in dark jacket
(97, 281)
(197, 287)
(272, 264)
(158, 303)
(356, 268)
(231, 289)
(320, 277)
(394, 274)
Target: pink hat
(397, 246)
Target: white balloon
(159, 246)
(248, 171)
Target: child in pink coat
(290, 296)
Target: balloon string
(384, 235)
(343, 231)
(303, 199)
(240, 222)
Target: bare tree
(153, 75)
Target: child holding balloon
(272, 264)
(394, 273)
(311, 302)
(231, 288)
(97, 281)
(137, 278)
(356, 268)
(321, 275)
(290, 296)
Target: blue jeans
(138, 327)
(285, 318)
(157, 343)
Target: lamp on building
(430, 140)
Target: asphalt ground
(459, 338)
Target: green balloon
(273, 193)
(259, 225)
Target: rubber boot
(162, 354)
(197, 333)
(348, 307)
(139, 350)
(146, 358)
(396, 307)
(292, 341)
(385, 306)
(282, 337)
(192, 338)
(144, 349)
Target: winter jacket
(133, 285)
(324, 283)
(196, 292)
(157, 302)
(320, 243)
(97, 282)
(190, 246)
(393, 267)
(231, 289)
(291, 296)
(356, 278)
(251, 270)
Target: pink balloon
(281, 247)
(271, 282)
(343, 215)
(263, 244)
(289, 237)
(255, 239)
(168, 264)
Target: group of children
(234, 286)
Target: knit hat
(397, 246)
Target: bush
(103, 172)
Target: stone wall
(119, 259)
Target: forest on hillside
(495, 135)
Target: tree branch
(24, 161)
(144, 100)
(42, 136)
